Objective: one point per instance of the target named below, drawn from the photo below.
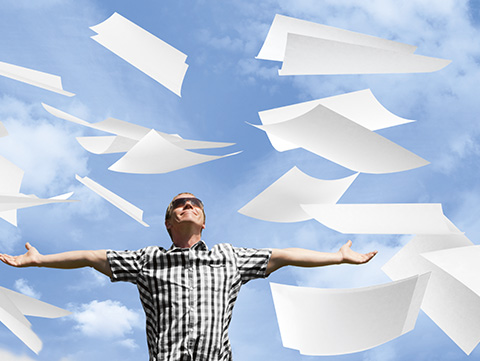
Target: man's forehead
(184, 195)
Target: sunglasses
(180, 202)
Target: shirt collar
(199, 246)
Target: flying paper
(146, 52)
(338, 139)
(153, 154)
(13, 307)
(360, 107)
(10, 197)
(451, 300)
(128, 134)
(400, 218)
(133, 211)
(321, 322)
(309, 48)
(34, 77)
(281, 201)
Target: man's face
(186, 212)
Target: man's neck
(186, 241)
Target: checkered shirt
(188, 295)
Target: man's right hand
(29, 259)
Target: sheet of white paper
(400, 218)
(128, 134)
(462, 263)
(9, 203)
(305, 55)
(106, 144)
(125, 206)
(360, 107)
(453, 306)
(321, 322)
(281, 201)
(153, 155)
(13, 307)
(340, 140)
(276, 40)
(34, 77)
(146, 52)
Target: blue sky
(225, 86)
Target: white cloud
(22, 286)
(106, 319)
(128, 343)
(46, 152)
(8, 356)
(10, 236)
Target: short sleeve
(125, 265)
(252, 263)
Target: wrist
(338, 256)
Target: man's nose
(188, 204)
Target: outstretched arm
(67, 260)
(306, 258)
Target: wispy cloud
(22, 286)
(106, 319)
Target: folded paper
(153, 154)
(322, 322)
(281, 201)
(10, 197)
(330, 135)
(400, 218)
(127, 135)
(309, 48)
(360, 107)
(34, 77)
(13, 307)
(451, 300)
(143, 50)
(125, 206)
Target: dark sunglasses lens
(180, 202)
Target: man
(187, 292)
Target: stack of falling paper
(147, 151)
(310, 48)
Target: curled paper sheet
(309, 48)
(34, 77)
(146, 52)
(451, 300)
(322, 322)
(276, 41)
(338, 139)
(125, 206)
(360, 107)
(10, 197)
(13, 307)
(127, 135)
(400, 218)
(154, 154)
(281, 201)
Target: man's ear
(167, 224)
(203, 226)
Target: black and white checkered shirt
(188, 295)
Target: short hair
(168, 212)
